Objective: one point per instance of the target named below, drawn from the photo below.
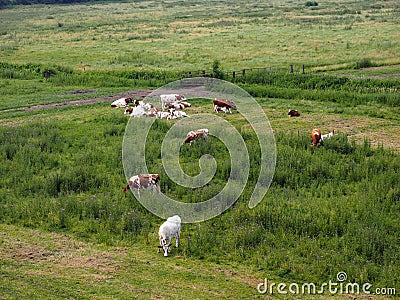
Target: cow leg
(178, 235)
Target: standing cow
(171, 227)
(196, 134)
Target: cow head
(128, 100)
(164, 246)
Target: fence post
(291, 68)
(243, 72)
(204, 73)
(303, 69)
(233, 75)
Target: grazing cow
(293, 113)
(171, 227)
(145, 105)
(170, 98)
(122, 102)
(143, 181)
(316, 137)
(196, 134)
(327, 136)
(223, 105)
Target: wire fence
(242, 73)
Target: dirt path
(133, 94)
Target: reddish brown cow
(293, 113)
(195, 134)
(144, 181)
(223, 105)
(315, 136)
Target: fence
(239, 73)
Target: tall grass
(331, 208)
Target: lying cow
(196, 134)
(145, 105)
(315, 137)
(143, 181)
(171, 227)
(170, 98)
(223, 105)
(293, 113)
(121, 102)
(176, 114)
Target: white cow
(171, 227)
(170, 98)
(327, 136)
(121, 102)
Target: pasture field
(188, 35)
(67, 230)
(329, 209)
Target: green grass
(329, 209)
(170, 35)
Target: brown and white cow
(196, 134)
(223, 105)
(145, 105)
(143, 181)
(170, 98)
(293, 113)
(121, 102)
(316, 137)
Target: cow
(223, 105)
(293, 113)
(196, 134)
(152, 112)
(175, 105)
(143, 181)
(145, 105)
(185, 104)
(137, 111)
(173, 114)
(316, 137)
(222, 108)
(171, 227)
(327, 136)
(121, 102)
(170, 98)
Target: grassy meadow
(184, 35)
(67, 229)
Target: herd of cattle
(172, 106)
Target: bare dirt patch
(136, 94)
